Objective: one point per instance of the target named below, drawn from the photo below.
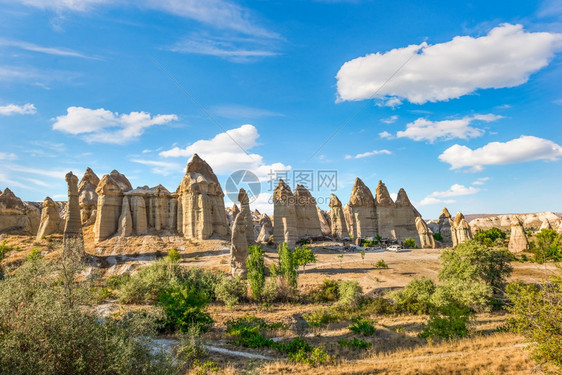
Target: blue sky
(457, 102)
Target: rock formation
(245, 210)
(385, 210)
(50, 219)
(445, 227)
(517, 240)
(16, 216)
(88, 197)
(405, 216)
(425, 234)
(125, 220)
(201, 212)
(239, 244)
(545, 225)
(503, 222)
(73, 240)
(339, 226)
(284, 215)
(266, 230)
(110, 190)
(460, 231)
(362, 211)
(324, 218)
(308, 223)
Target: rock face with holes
(110, 190)
(405, 217)
(518, 239)
(16, 216)
(239, 243)
(308, 223)
(51, 221)
(201, 211)
(87, 197)
(460, 230)
(362, 211)
(73, 240)
(266, 230)
(284, 215)
(425, 234)
(337, 218)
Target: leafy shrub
(229, 290)
(256, 271)
(295, 345)
(355, 343)
(415, 298)
(34, 254)
(438, 236)
(249, 331)
(350, 293)
(328, 291)
(475, 295)
(537, 314)
(549, 246)
(116, 281)
(174, 255)
(447, 322)
(490, 237)
(363, 326)
(184, 307)
(42, 333)
(368, 243)
(381, 264)
(315, 357)
(287, 269)
(377, 305)
(303, 256)
(202, 368)
(410, 243)
(270, 291)
(321, 317)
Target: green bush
(381, 264)
(249, 331)
(256, 271)
(355, 343)
(303, 256)
(410, 243)
(416, 296)
(174, 255)
(184, 307)
(377, 305)
(229, 290)
(42, 331)
(475, 295)
(350, 293)
(328, 291)
(437, 236)
(315, 357)
(549, 246)
(537, 314)
(490, 237)
(447, 322)
(363, 326)
(287, 268)
(321, 317)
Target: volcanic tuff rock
(445, 227)
(385, 210)
(201, 211)
(425, 234)
(337, 217)
(363, 217)
(50, 219)
(73, 239)
(324, 218)
(239, 244)
(517, 240)
(17, 216)
(405, 216)
(110, 199)
(308, 223)
(266, 230)
(245, 210)
(503, 222)
(125, 220)
(284, 215)
(545, 225)
(460, 231)
(87, 196)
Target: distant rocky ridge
(503, 222)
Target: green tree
(303, 256)
(362, 252)
(410, 243)
(447, 322)
(438, 236)
(256, 271)
(549, 246)
(490, 237)
(287, 266)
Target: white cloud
(230, 151)
(36, 48)
(367, 154)
(239, 112)
(522, 149)
(7, 156)
(163, 168)
(60, 5)
(13, 109)
(505, 57)
(481, 181)
(422, 129)
(385, 135)
(455, 190)
(100, 125)
(390, 119)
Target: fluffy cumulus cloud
(505, 57)
(229, 151)
(522, 149)
(369, 153)
(443, 197)
(101, 125)
(13, 109)
(426, 130)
